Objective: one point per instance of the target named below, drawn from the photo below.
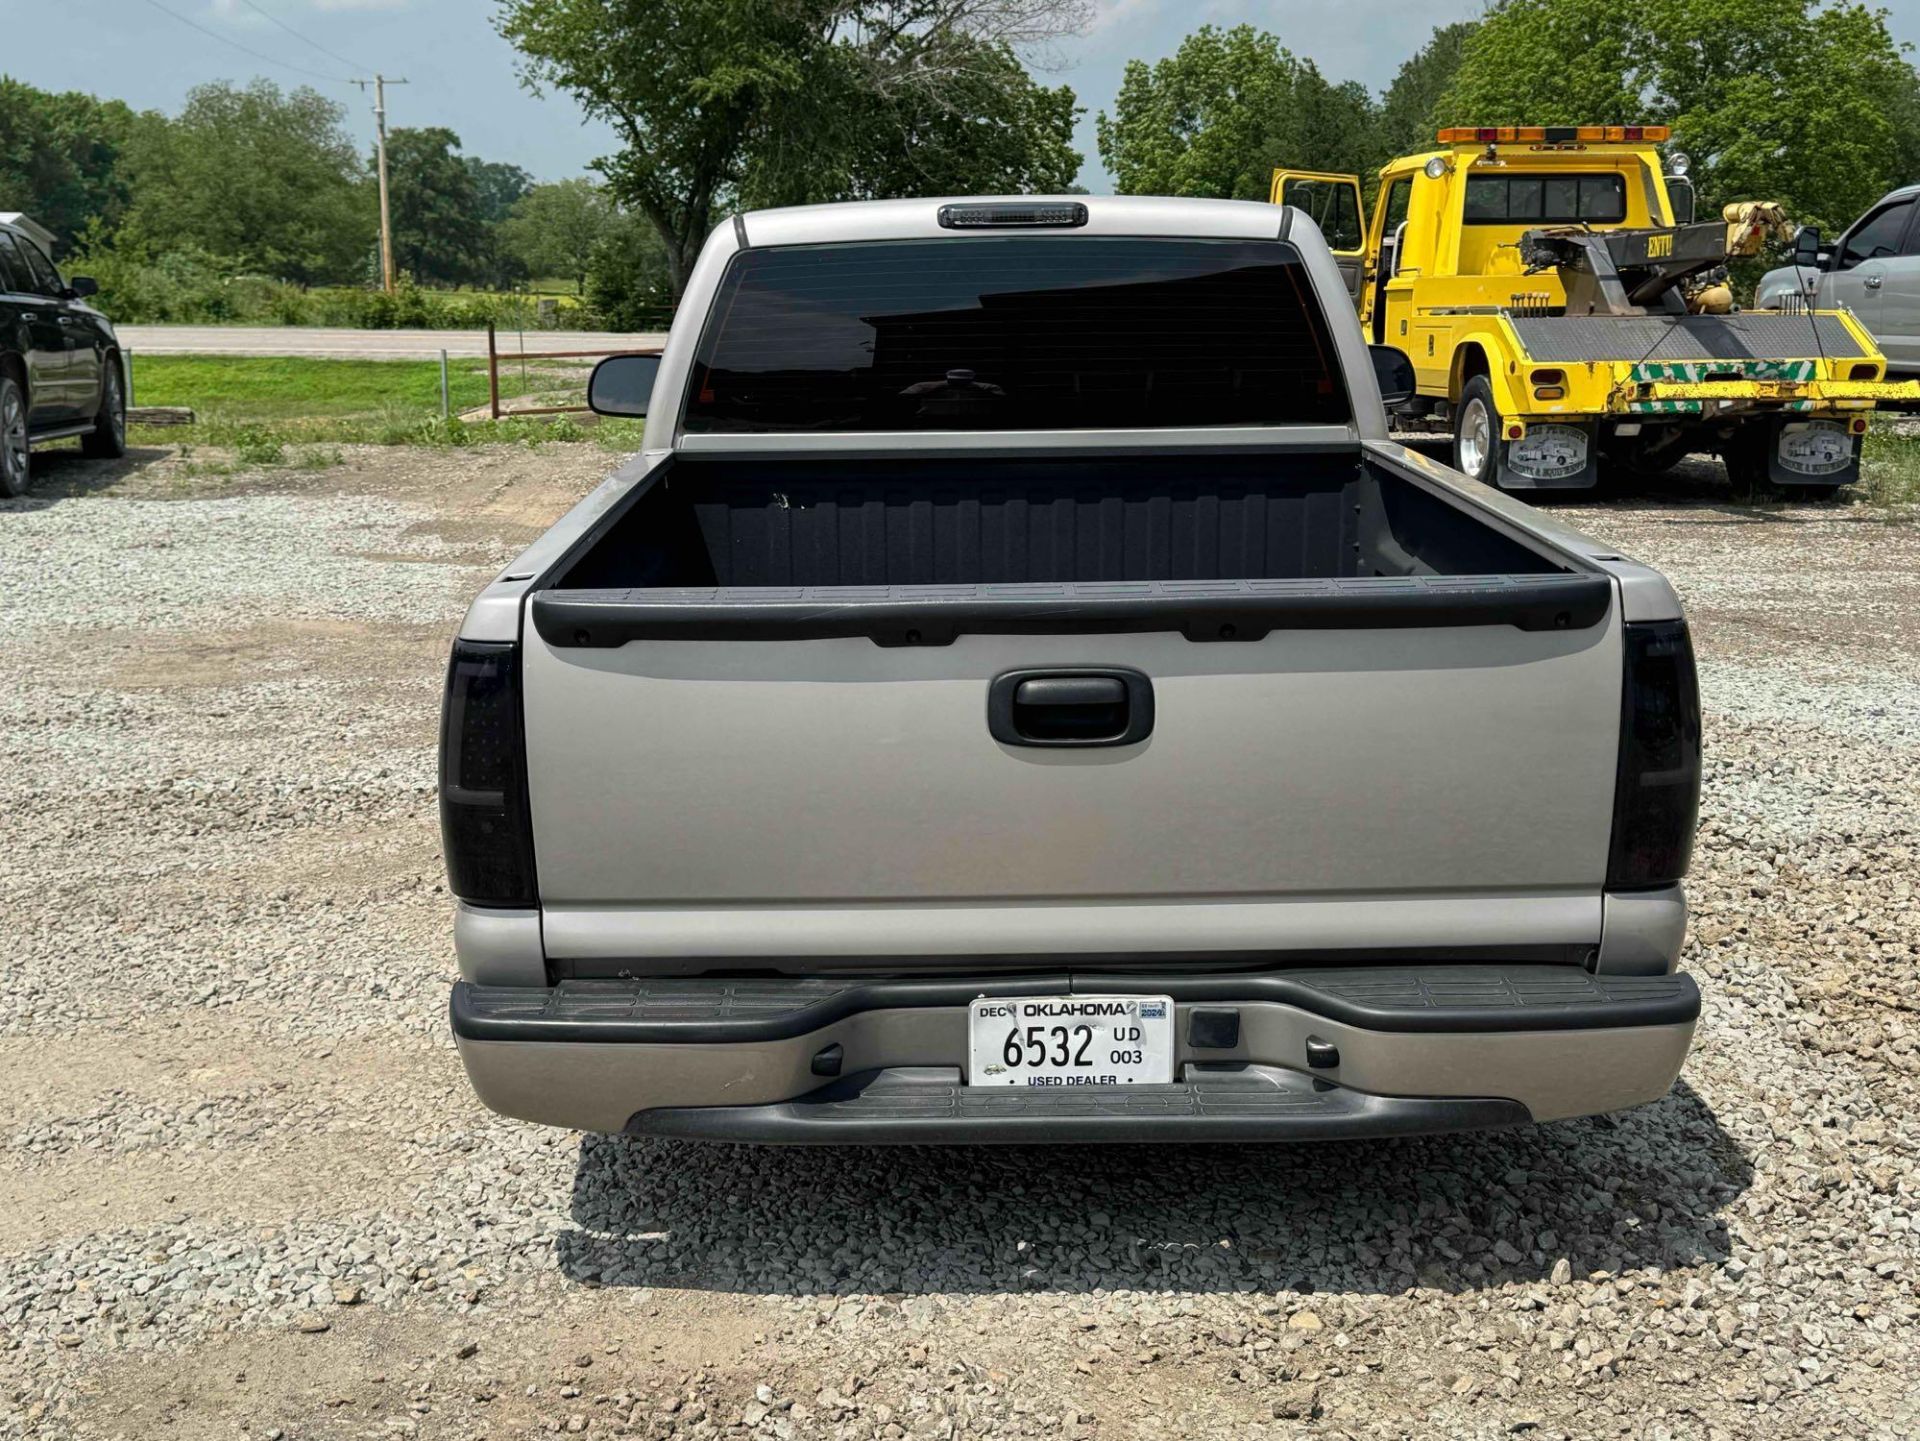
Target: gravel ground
(246, 1190)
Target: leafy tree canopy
(1801, 101)
(1408, 114)
(627, 285)
(499, 186)
(440, 232)
(59, 157)
(270, 180)
(748, 102)
(1224, 111)
(555, 229)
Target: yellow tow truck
(1559, 304)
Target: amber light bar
(1474, 135)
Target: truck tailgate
(699, 799)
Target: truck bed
(915, 552)
(842, 522)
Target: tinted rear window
(1524, 199)
(1015, 333)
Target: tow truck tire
(1748, 454)
(1476, 433)
(1744, 453)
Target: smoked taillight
(485, 829)
(1656, 796)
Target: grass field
(276, 389)
(1890, 465)
(259, 406)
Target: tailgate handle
(1070, 707)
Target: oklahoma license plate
(1070, 1041)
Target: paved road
(359, 344)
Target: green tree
(1793, 100)
(627, 284)
(1553, 62)
(744, 102)
(268, 181)
(439, 232)
(990, 130)
(1219, 115)
(1409, 108)
(499, 185)
(555, 229)
(60, 158)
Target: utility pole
(380, 84)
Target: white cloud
(1110, 15)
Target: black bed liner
(1220, 546)
(1425, 998)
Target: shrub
(257, 445)
(188, 286)
(627, 280)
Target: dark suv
(61, 371)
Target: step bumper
(1417, 1049)
(930, 1105)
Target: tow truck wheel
(1745, 455)
(1476, 432)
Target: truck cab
(1536, 378)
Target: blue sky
(462, 75)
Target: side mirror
(622, 384)
(1806, 246)
(1393, 372)
(81, 286)
(1680, 197)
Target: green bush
(188, 286)
(257, 445)
(627, 280)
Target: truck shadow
(63, 473)
(1645, 1190)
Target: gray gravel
(247, 1190)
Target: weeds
(315, 444)
(257, 445)
(1890, 467)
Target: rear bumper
(1415, 1049)
(1716, 397)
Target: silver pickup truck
(1020, 694)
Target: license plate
(1070, 1041)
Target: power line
(248, 50)
(305, 40)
